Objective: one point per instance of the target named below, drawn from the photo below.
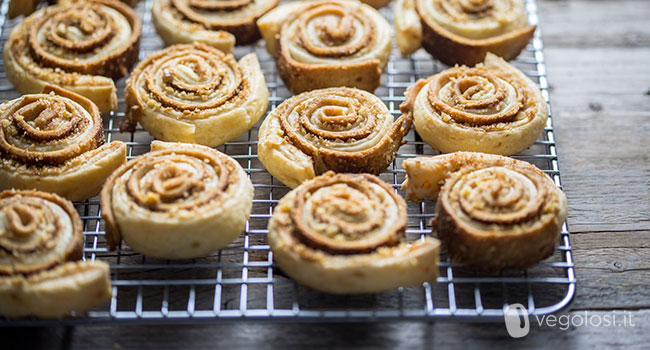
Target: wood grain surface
(598, 61)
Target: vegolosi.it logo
(517, 320)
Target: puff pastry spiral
(462, 31)
(54, 142)
(39, 234)
(327, 43)
(177, 201)
(339, 129)
(218, 23)
(492, 212)
(194, 93)
(344, 234)
(80, 46)
(491, 108)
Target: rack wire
(242, 282)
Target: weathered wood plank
(407, 335)
(589, 23)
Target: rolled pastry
(54, 142)
(492, 212)
(327, 43)
(462, 31)
(196, 94)
(80, 46)
(177, 201)
(216, 23)
(339, 129)
(344, 234)
(491, 108)
(41, 236)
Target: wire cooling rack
(241, 282)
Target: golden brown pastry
(216, 23)
(344, 234)
(40, 236)
(376, 3)
(27, 7)
(80, 46)
(491, 108)
(327, 43)
(194, 93)
(492, 212)
(340, 129)
(462, 31)
(177, 201)
(54, 142)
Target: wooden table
(598, 60)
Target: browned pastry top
(38, 230)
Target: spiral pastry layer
(327, 43)
(79, 46)
(218, 23)
(344, 234)
(492, 212)
(491, 108)
(177, 201)
(462, 31)
(339, 129)
(194, 93)
(53, 142)
(39, 234)
(27, 7)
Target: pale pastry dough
(196, 94)
(344, 234)
(178, 201)
(73, 286)
(216, 23)
(80, 46)
(327, 43)
(462, 31)
(492, 212)
(54, 142)
(40, 233)
(491, 108)
(340, 129)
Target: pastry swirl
(40, 236)
(327, 43)
(79, 46)
(216, 23)
(177, 201)
(196, 94)
(492, 212)
(344, 234)
(462, 31)
(339, 129)
(491, 108)
(53, 142)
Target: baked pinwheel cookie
(492, 212)
(177, 201)
(340, 129)
(491, 108)
(196, 94)
(344, 234)
(54, 142)
(327, 43)
(220, 24)
(40, 239)
(27, 7)
(462, 31)
(80, 46)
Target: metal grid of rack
(241, 282)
